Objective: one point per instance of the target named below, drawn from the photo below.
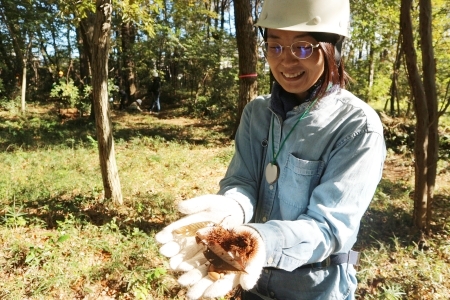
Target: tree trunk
(421, 108)
(371, 76)
(393, 90)
(100, 54)
(86, 27)
(429, 83)
(24, 84)
(5, 57)
(128, 37)
(85, 69)
(85, 53)
(246, 44)
(223, 6)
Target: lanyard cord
(275, 155)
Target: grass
(61, 240)
(397, 262)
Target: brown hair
(334, 72)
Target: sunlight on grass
(393, 265)
(62, 240)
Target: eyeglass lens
(300, 49)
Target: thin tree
(246, 43)
(393, 90)
(429, 83)
(128, 35)
(100, 53)
(85, 31)
(425, 105)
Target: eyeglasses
(300, 49)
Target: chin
(296, 91)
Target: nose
(288, 56)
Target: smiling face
(295, 75)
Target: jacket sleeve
(243, 176)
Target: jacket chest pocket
(297, 180)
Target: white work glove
(185, 254)
(201, 284)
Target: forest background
(62, 239)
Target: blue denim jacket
(330, 167)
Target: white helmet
(329, 16)
(155, 74)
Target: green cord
(274, 161)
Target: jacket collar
(282, 102)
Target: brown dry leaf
(191, 229)
(222, 260)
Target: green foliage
(375, 29)
(82, 10)
(36, 131)
(140, 13)
(142, 282)
(399, 135)
(92, 141)
(11, 106)
(66, 91)
(392, 292)
(212, 65)
(14, 216)
(194, 39)
(85, 100)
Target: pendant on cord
(272, 172)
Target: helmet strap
(263, 33)
(338, 50)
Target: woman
(307, 162)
